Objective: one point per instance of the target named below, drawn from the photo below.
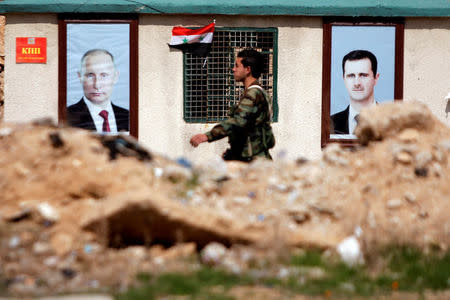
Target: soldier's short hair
(253, 59)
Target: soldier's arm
(198, 139)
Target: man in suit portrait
(359, 70)
(95, 111)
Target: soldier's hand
(198, 139)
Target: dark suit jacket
(78, 115)
(339, 122)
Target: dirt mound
(69, 198)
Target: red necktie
(104, 115)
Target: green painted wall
(376, 8)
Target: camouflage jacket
(247, 127)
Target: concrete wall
(299, 86)
(427, 63)
(32, 89)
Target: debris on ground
(80, 211)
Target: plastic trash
(213, 253)
(184, 162)
(48, 212)
(350, 250)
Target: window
(209, 86)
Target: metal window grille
(209, 86)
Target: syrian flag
(194, 41)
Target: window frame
(274, 30)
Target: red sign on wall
(31, 50)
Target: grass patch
(406, 269)
(416, 271)
(206, 283)
(331, 276)
(310, 258)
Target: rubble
(389, 120)
(83, 211)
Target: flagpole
(206, 58)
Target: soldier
(248, 125)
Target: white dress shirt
(351, 120)
(95, 110)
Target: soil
(80, 211)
